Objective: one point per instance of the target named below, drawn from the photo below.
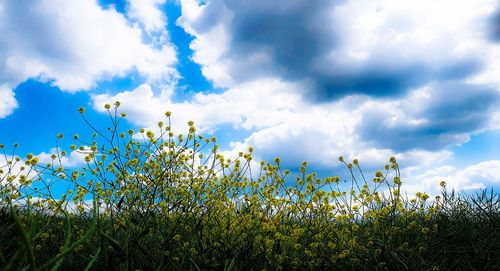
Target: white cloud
(74, 44)
(72, 160)
(209, 46)
(281, 122)
(14, 166)
(251, 105)
(7, 101)
(147, 13)
(476, 176)
(384, 27)
(380, 35)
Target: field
(165, 201)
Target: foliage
(146, 201)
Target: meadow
(157, 200)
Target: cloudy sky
(299, 79)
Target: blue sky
(303, 80)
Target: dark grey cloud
(292, 33)
(379, 80)
(302, 41)
(452, 111)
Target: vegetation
(146, 201)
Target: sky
(302, 80)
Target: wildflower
(107, 106)
(44, 236)
(397, 180)
(34, 161)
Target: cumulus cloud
(72, 160)
(148, 14)
(7, 101)
(252, 105)
(476, 176)
(280, 121)
(431, 117)
(337, 48)
(390, 82)
(73, 44)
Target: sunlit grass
(156, 200)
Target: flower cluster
(156, 200)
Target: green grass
(172, 202)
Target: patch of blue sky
(43, 112)
(192, 80)
(227, 133)
(481, 147)
(118, 5)
(116, 85)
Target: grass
(173, 202)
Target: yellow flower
(44, 236)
